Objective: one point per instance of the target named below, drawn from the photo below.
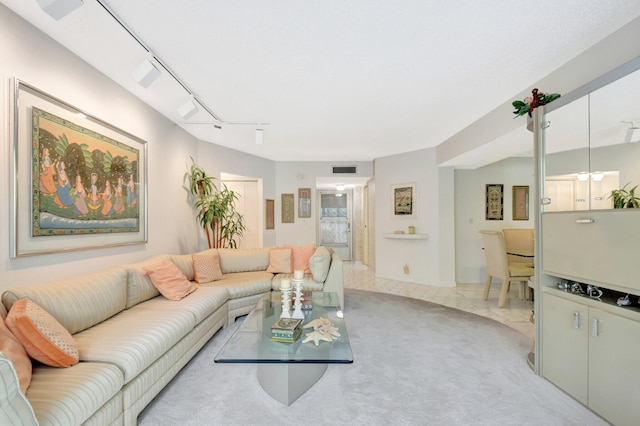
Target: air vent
(344, 170)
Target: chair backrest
(495, 252)
(521, 238)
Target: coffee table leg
(286, 382)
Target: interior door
(335, 222)
(248, 205)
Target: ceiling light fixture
(187, 110)
(58, 9)
(633, 133)
(217, 133)
(146, 73)
(597, 176)
(583, 176)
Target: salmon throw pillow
(42, 336)
(300, 257)
(169, 280)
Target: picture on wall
(81, 181)
(270, 208)
(520, 202)
(494, 201)
(403, 201)
(288, 208)
(304, 203)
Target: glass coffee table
(287, 370)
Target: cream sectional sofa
(133, 341)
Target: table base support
(286, 382)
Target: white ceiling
(335, 80)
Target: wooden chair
(495, 251)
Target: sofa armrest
(335, 278)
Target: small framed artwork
(78, 182)
(403, 201)
(304, 202)
(494, 201)
(288, 208)
(521, 202)
(269, 211)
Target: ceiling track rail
(159, 61)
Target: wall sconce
(259, 136)
(58, 9)
(597, 176)
(340, 187)
(146, 73)
(583, 176)
(187, 110)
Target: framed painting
(78, 182)
(403, 201)
(304, 203)
(270, 208)
(494, 201)
(288, 208)
(520, 200)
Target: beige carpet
(415, 363)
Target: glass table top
(252, 343)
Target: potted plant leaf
(215, 209)
(623, 198)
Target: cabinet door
(614, 376)
(565, 345)
(599, 246)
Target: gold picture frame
(520, 207)
(270, 215)
(288, 208)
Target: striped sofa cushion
(71, 396)
(244, 260)
(14, 406)
(139, 286)
(80, 302)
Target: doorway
(248, 205)
(334, 225)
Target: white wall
(291, 175)
(39, 61)
(470, 211)
(430, 261)
(216, 159)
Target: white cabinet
(565, 345)
(595, 247)
(592, 354)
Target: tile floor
(466, 297)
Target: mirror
(567, 156)
(593, 149)
(614, 145)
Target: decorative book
(286, 330)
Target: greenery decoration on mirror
(623, 198)
(532, 102)
(215, 209)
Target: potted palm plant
(623, 198)
(215, 209)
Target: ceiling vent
(344, 170)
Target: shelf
(407, 236)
